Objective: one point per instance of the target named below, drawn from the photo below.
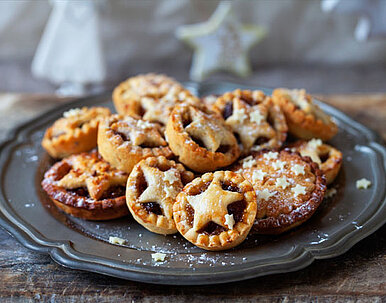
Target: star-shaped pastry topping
(264, 194)
(271, 155)
(229, 221)
(209, 129)
(139, 132)
(298, 190)
(94, 174)
(221, 43)
(363, 183)
(278, 165)
(257, 117)
(211, 205)
(298, 169)
(282, 182)
(159, 188)
(314, 143)
(249, 122)
(258, 175)
(248, 162)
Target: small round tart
(151, 97)
(76, 132)
(304, 118)
(329, 158)
(200, 138)
(256, 121)
(289, 189)
(87, 187)
(216, 211)
(151, 191)
(124, 141)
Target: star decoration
(159, 189)
(221, 43)
(278, 165)
(282, 182)
(258, 175)
(264, 194)
(94, 174)
(211, 205)
(248, 162)
(210, 130)
(363, 183)
(248, 122)
(271, 155)
(298, 169)
(229, 221)
(298, 190)
(139, 132)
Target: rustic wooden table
(358, 275)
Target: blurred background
(78, 47)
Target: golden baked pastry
(289, 188)
(304, 118)
(151, 191)
(256, 121)
(216, 211)
(76, 132)
(124, 141)
(200, 138)
(87, 187)
(151, 97)
(329, 158)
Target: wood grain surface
(356, 276)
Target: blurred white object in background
(371, 16)
(221, 43)
(70, 52)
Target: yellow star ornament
(221, 43)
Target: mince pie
(304, 118)
(289, 188)
(216, 211)
(87, 187)
(256, 121)
(124, 141)
(151, 191)
(329, 158)
(200, 138)
(151, 97)
(75, 132)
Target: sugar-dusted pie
(151, 97)
(256, 121)
(123, 141)
(87, 187)
(304, 118)
(216, 211)
(151, 191)
(329, 158)
(75, 132)
(289, 189)
(200, 138)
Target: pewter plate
(27, 214)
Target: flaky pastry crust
(151, 97)
(289, 189)
(124, 141)
(200, 138)
(329, 158)
(256, 121)
(151, 191)
(75, 132)
(216, 211)
(87, 187)
(304, 118)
